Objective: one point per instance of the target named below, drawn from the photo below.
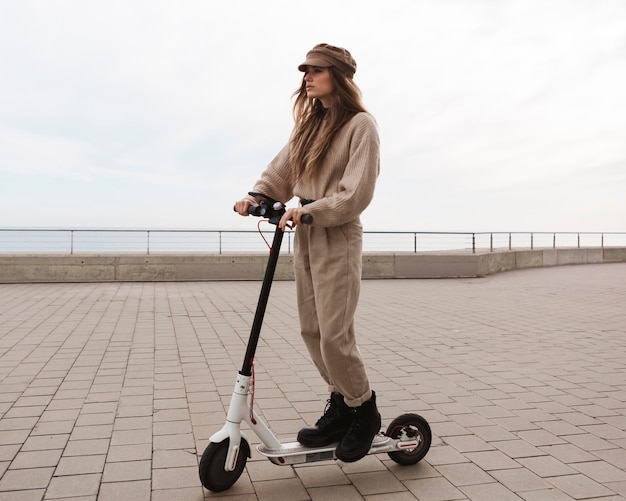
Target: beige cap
(324, 55)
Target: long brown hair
(315, 126)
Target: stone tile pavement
(111, 391)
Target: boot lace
(330, 411)
(358, 425)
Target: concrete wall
(186, 267)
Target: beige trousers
(328, 264)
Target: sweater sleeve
(275, 179)
(356, 186)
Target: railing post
(532, 241)
(490, 242)
(554, 240)
(148, 242)
(71, 242)
(579, 240)
(602, 240)
(219, 242)
(415, 243)
(473, 243)
(510, 241)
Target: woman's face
(319, 84)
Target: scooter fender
(231, 432)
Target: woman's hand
(294, 214)
(241, 207)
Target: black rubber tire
(211, 469)
(418, 425)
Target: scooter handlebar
(260, 211)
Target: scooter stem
(246, 368)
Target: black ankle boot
(357, 442)
(331, 426)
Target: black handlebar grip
(256, 210)
(306, 219)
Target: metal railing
(149, 241)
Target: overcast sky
(494, 115)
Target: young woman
(331, 163)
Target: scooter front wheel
(410, 427)
(213, 474)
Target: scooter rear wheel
(213, 476)
(410, 427)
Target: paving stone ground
(111, 391)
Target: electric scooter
(406, 441)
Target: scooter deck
(294, 452)
(292, 448)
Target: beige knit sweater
(344, 184)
